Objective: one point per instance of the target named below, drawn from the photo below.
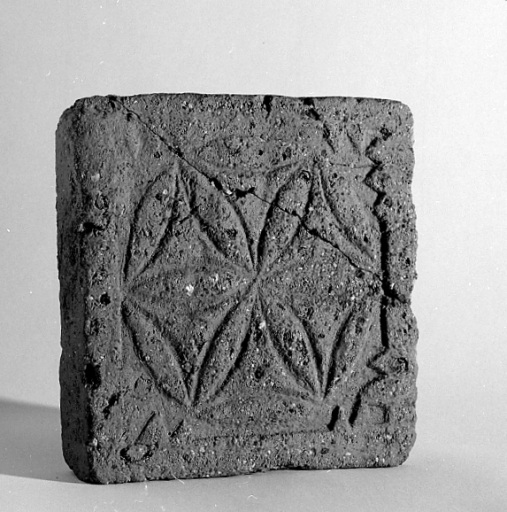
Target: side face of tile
(235, 285)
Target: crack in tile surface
(312, 232)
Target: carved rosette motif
(197, 281)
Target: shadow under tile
(30, 443)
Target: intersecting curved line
(263, 237)
(315, 387)
(202, 232)
(170, 349)
(207, 349)
(130, 273)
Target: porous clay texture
(235, 281)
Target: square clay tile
(235, 285)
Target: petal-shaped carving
(150, 223)
(353, 219)
(284, 218)
(155, 350)
(330, 367)
(292, 346)
(191, 290)
(349, 345)
(219, 355)
(221, 224)
(347, 221)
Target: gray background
(446, 60)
